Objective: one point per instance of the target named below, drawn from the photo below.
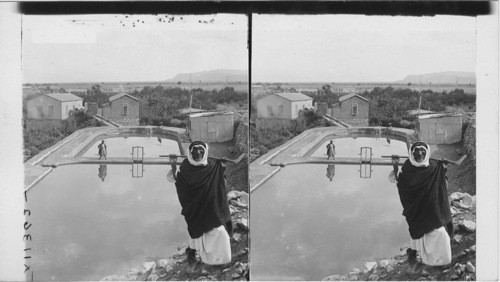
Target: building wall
(44, 103)
(442, 130)
(217, 128)
(343, 111)
(274, 102)
(114, 112)
(300, 105)
(68, 106)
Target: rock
(243, 223)
(335, 277)
(467, 201)
(446, 271)
(457, 238)
(383, 263)
(147, 266)
(235, 275)
(225, 270)
(462, 254)
(373, 277)
(204, 272)
(473, 249)
(126, 277)
(153, 277)
(236, 237)
(390, 268)
(470, 267)
(369, 266)
(111, 278)
(468, 225)
(422, 279)
(355, 271)
(454, 277)
(162, 263)
(425, 272)
(456, 196)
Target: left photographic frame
(107, 100)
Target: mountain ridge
(217, 75)
(446, 77)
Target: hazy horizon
(347, 48)
(130, 48)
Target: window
(125, 109)
(51, 111)
(354, 109)
(280, 110)
(270, 110)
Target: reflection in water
(307, 234)
(87, 229)
(330, 171)
(103, 170)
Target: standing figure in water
(103, 171)
(423, 191)
(201, 189)
(330, 150)
(103, 151)
(330, 171)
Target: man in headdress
(423, 191)
(201, 189)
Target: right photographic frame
(363, 147)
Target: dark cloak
(423, 192)
(202, 194)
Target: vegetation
(161, 104)
(41, 134)
(391, 105)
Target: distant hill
(212, 76)
(449, 77)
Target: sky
(357, 48)
(113, 48)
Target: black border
(392, 8)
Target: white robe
(434, 247)
(214, 246)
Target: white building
(53, 106)
(283, 105)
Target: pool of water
(91, 221)
(311, 221)
(122, 146)
(351, 147)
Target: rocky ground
(176, 267)
(462, 191)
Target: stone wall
(470, 141)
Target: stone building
(352, 109)
(122, 108)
